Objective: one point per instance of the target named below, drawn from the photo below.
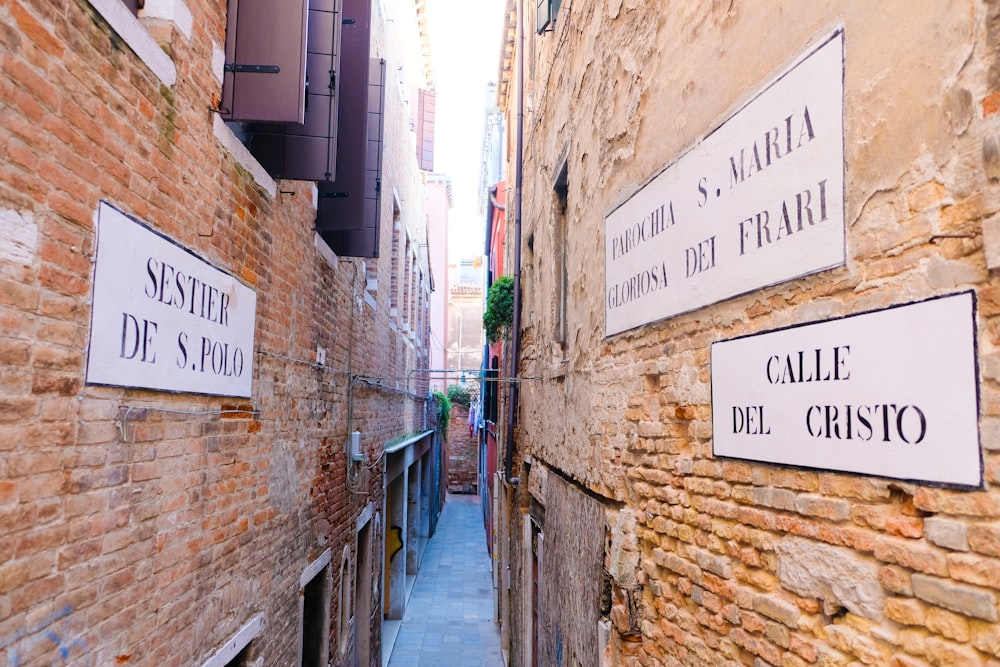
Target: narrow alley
(449, 617)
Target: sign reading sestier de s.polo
(164, 318)
(891, 393)
(758, 202)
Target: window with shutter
(348, 214)
(307, 151)
(265, 70)
(425, 129)
(543, 15)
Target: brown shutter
(265, 68)
(308, 151)
(133, 6)
(348, 213)
(425, 130)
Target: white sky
(465, 46)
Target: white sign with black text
(759, 201)
(164, 318)
(890, 393)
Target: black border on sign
(924, 482)
(93, 285)
(799, 60)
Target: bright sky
(465, 43)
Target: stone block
(948, 624)
(984, 538)
(895, 580)
(974, 569)
(986, 637)
(968, 600)
(947, 533)
(833, 574)
(716, 564)
(943, 652)
(991, 241)
(824, 508)
(905, 610)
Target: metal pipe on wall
(518, 181)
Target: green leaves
(499, 313)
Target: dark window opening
(363, 594)
(241, 659)
(561, 188)
(491, 395)
(134, 6)
(316, 620)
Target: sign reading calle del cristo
(759, 201)
(164, 318)
(890, 393)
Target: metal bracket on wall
(256, 69)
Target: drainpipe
(518, 182)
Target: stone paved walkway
(449, 617)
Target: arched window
(346, 585)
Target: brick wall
(144, 527)
(718, 561)
(463, 453)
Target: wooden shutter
(264, 78)
(349, 207)
(425, 130)
(307, 151)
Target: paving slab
(448, 620)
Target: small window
(134, 6)
(394, 286)
(316, 620)
(425, 130)
(407, 287)
(545, 14)
(315, 589)
(237, 651)
(561, 190)
(346, 585)
(242, 659)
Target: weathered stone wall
(571, 559)
(725, 562)
(142, 527)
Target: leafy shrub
(444, 413)
(461, 394)
(499, 313)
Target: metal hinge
(258, 69)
